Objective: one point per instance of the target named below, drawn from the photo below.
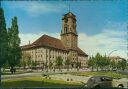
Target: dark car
(100, 82)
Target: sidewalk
(38, 73)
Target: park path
(57, 76)
(20, 75)
(35, 73)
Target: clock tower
(69, 35)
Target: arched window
(65, 29)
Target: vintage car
(123, 82)
(105, 82)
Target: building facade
(46, 49)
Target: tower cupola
(68, 32)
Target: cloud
(25, 38)
(37, 8)
(112, 37)
(104, 42)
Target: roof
(116, 58)
(52, 42)
(69, 14)
(80, 52)
(47, 41)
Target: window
(65, 29)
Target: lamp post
(111, 52)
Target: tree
(98, 59)
(78, 65)
(104, 62)
(67, 63)
(50, 65)
(113, 64)
(91, 63)
(3, 41)
(59, 62)
(26, 60)
(14, 45)
(34, 63)
(122, 64)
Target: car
(99, 82)
(104, 82)
(123, 82)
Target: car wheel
(120, 86)
(97, 87)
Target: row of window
(51, 57)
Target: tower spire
(69, 8)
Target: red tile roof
(52, 42)
(46, 40)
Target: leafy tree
(113, 64)
(104, 62)
(23, 64)
(122, 64)
(91, 63)
(98, 61)
(78, 65)
(14, 45)
(3, 41)
(59, 62)
(34, 63)
(5, 66)
(68, 62)
(50, 65)
(26, 60)
(127, 64)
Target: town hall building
(46, 49)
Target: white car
(106, 82)
(123, 83)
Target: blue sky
(101, 24)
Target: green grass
(18, 72)
(111, 74)
(37, 82)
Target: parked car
(123, 82)
(103, 82)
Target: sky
(101, 25)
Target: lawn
(18, 72)
(37, 82)
(89, 73)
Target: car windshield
(106, 79)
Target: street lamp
(111, 52)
